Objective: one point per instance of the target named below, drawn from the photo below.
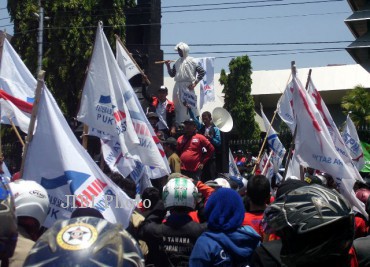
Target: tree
(68, 40)
(357, 101)
(238, 100)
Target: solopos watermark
(105, 201)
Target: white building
(333, 82)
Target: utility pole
(40, 37)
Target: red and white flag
(18, 81)
(332, 128)
(14, 110)
(314, 146)
(266, 166)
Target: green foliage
(68, 40)
(238, 100)
(357, 101)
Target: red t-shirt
(190, 149)
(254, 219)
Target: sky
(259, 25)
(221, 29)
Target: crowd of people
(196, 216)
(192, 223)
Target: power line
(264, 51)
(248, 44)
(265, 5)
(288, 53)
(253, 18)
(219, 4)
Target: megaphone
(222, 119)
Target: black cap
(189, 121)
(163, 88)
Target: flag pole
(292, 144)
(133, 60)
(35, 107)
(264, 142)
(2, 39)
(85, 132)
(268, 160)
(16, 131)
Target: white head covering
(184, 48)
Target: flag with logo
(56, 160)
(105, 104)
(17, 80)
(352, 142)
(139, 119)
(314, 146)
(332, 128)
(233, 169)
(207, 88)
(273, 140)
(125, 62)
(285, 110)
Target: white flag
(57, 161)
(19, 82)
(273, 140)
(352, 141)
(285, 110)
(125, 62)
(207, 89)
(293, 167)
(15, 110)
(139, 118)
(266, 167)
(115, 159)
(233, 169)
(332, 128)
(102, 103)
(314, 147)
(109, 105)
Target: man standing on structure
(185, 71)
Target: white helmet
(222, 182)
(31, 199)
(180, 192)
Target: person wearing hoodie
(226, 242)
(187, 74)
